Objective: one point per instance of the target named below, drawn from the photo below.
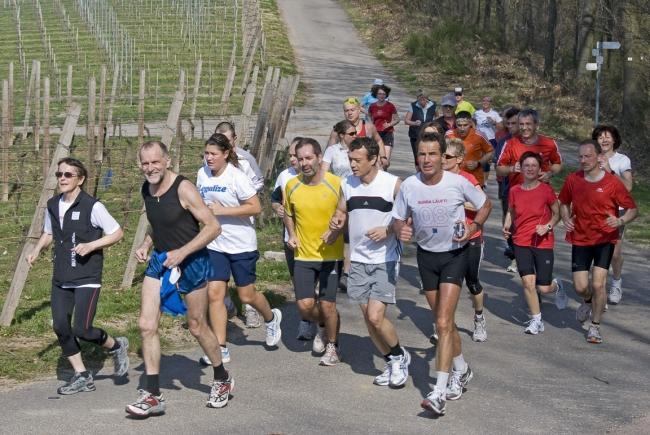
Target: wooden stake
(109, 119)
(28, 102)
(197, 82)
(141, 109)
(5, 141)
(46, 125)
(90, 132)
(69, 86)
(37, 106)
(101, 134)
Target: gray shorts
(372, 281)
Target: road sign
(610, 45)
(591, 66)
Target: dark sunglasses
(65, 174)
(351, 133)
(449, 156)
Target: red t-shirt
(532, 208)
(471, 214)
(591, 204)
(514, 148)
(381, 114)
(476, 146)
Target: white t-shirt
(619, 163)
(230, 189)
(484, 126)
(99, 218)
(435, 209)
(370, 206)
(337, 157)
(281, 182)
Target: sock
(153, 384)
(396, 350)
(588, 301)
(85, 373)
(459, 364)
(595, 323)
(272, 318)
(478, 314)
(537, 316)
(617, 282)
(220, 373)
(387, 357)
(441, 380)
(223, 346)
(116, 345)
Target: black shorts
(535, 261)
(474, 258)
(442, 267)
(600, 255)
(307, 273)
(288, 255)
(387, 137)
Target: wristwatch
(549, 227)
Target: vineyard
(96, 78)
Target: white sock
(459, 364)
(617, 282)
(537, 316)
(441, 380)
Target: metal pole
(597, 96)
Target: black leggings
(84, 302)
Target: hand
(613, 221)
(604, 163)
(568, 224)
(377, 234)
(293, 243)
(406, 232)
(216, 208)
(517, 167)
(329, 236)
(174, 258)
(506, 232)
(541, 230)
(417, 123)
(84, 249)
(278, 209)
(31, 258)
(337, 222)
(545, 177)
(384, 162)
(466, 235)
(387, 125)
(471, 164)
(142, 254)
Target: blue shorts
(242, 266)
(195, 270)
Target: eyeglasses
(351, 133)
(449, 156)
(58, 174)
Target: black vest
(418, 115)
(70, 268)
(172, 225)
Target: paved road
(552, 383)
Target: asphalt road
(551, 383)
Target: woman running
(335, 157)
(384, 116)
(231, 196)
(534, 210)
(81, 227)
(618, 164)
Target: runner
(488, 121)
(249, 166)
(430, 205)
(335, 157)
(422, 110)
(534, 210)
(352, 112)
(589, 203)
(367, 200)
(619, 165)
(478, 150)
(461, 104)
(448, 118)
(174, 210)
(232, 198)
(384, 116)
(82, 229)
(310, 199)
(452, 161)
(370, 97)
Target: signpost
(597, 66)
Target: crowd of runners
(346, 217)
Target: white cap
(378, 82)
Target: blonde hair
(352, 100)
(456, 145)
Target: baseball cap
(448, 100)
(420, 93)
(458, 91)
(378, 82)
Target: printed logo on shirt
(216, 188)
(75, 215)
(599, 190)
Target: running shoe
(273, 331)
(305, 330)
(399, 369)
(615, 292)
(435, 401)
(561, 298)
(225, 357)
(458, 381)
(146, 405)
(121, 357)
(318, 346)
(332, 355)
(593, 335)
(77, 384)
(534, 327)
(384, 378)
(480, 329)
(583, 313)
(220, 393)
(433, 338)
(253, 318)
(513, 267)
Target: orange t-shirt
(476, 146)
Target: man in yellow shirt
(461, 104)
(310, 199)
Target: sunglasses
(449, 156)
(58, 174)
(351, 133)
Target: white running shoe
(399, 369)
(583, 313)
(273, 330)
(561, 298)
(433, 338)
(458, 381)
(318, 346)
(534, 326)
(253, 318)
(435, 401)
(615, 292)
(383, 379)
(332, 355)
(480, 330)
(513, 267)
(225, 357)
